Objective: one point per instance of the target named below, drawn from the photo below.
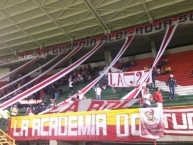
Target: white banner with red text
(127, 79)
(144, 29)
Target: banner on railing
(127, 79)
(178, 121)
(114, 125)
(151, 125)
(109, 125)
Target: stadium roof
(32, 24)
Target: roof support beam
(96, 15)
(6, 46)
(53, 21)
(146, 10)
(20, 28)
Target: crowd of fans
(52, 92)
(125, 65)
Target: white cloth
(70, 84)
(147, 99)
(81, 96)
(98, 91)
(159, 105)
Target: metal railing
(5, 139)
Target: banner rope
(127, 42)
(19, 68)
(50, 80)
(51, 68)
(35, 70)
(168, 35)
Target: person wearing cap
(171, 82)
(147, 98)
(158, 98)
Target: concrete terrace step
(180, 90)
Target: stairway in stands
(182, 67)
(5, 139)
(181, 64)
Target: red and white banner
(41, 75)
(50, 80)
(169, 33)
(20, 68)
(35, 70)
(167, 37)
(127, 79)
(90, 85)
(91, 105)
(151, 123)
(146, 29)
(31, 101)
(110, 125)
(178, 121)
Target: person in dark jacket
(171, 82)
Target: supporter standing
(98, 92)
(1, 117)
(158, 98)
(56, 93)
(14, 110)
(30, 110)
(70, 80)
(171, 82)
(42, 107)
(5, 119)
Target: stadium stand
(183, 59)
(180, 65)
